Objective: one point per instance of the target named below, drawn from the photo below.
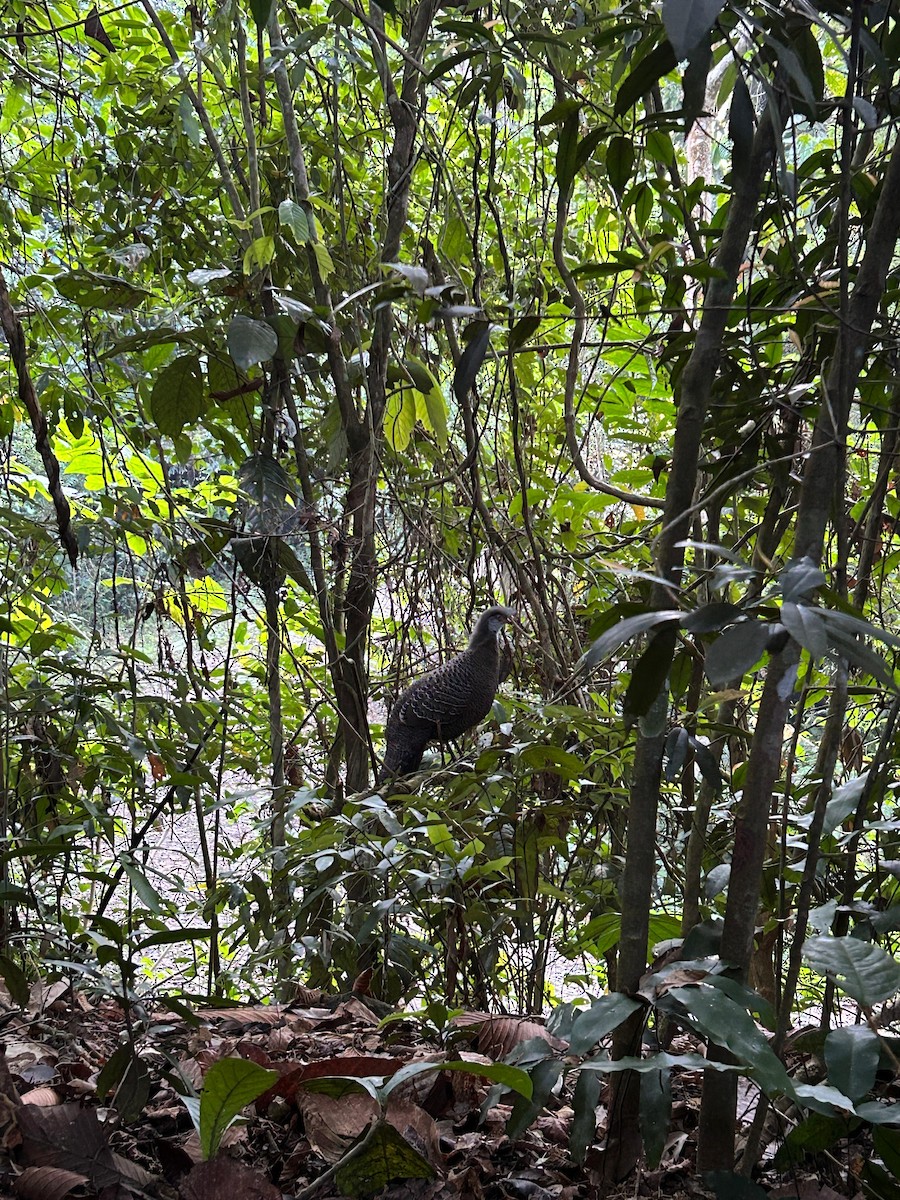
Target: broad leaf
(228, 1086)
(601, 1018)
(470, 361)
(735, 651)
(630, 627)
(177, 396)
(250, 342)
(862, 970)
(687, 22)
(851, 1056)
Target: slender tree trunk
(623, 1145)
(819, 498)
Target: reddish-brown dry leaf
(306, 996)
(240, 1018)
(416, 1127)
(348, 1011)
(43, 1097)
(253, 1052)
(498, 1036)
(362, 982)
(47, 1183)
(332, 1126)
(222, 1177)
(69, 1137)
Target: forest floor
(87, 1112)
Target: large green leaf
(862, 970)
(386, 1157)
(851, 1056)
(687, 22)
(600, 1019)
(250, 342)
(228, 1086)
(729, 1025)
(735, 651)
(177, 396)
(89, 289)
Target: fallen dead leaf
(47, 1183)
(223, 1177)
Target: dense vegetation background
(329, 325)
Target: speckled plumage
(447, 701)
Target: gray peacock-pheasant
(447, 701)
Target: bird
(448, 700)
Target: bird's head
(490, 623)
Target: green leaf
(655, 1114)
(622, 631)
(851, 1056)
(177, 396)
(250, 342)
(567, 153)
(144, 888)
(862, 970)
(259, 254)
(649, 673)
(619, 163)
(709, 618)
(544, 1075)
(729, 1025)
(805, 625)
(125, 1074)
(89, 289)
(470, 360)
(735, 651)
(15, 980)
(601, 1018)
(260, 10)
(728, 1186)
(514, 1079)
(324, 261)
(436, 408)
(740, 127)
(584, 1122)
(387, 1157)
(228, 1086)
(400, 419)
(642, 78)
(688, 22)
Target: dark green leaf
(805, 625)
(523, 329)
(567, 154)
(15, 980)
(544, 1075)
(677, 742)
(800, 579)
(584, 1122)
(708, 764)
(811, 1136)
(649, 673)
(622, 631)
(710, 617)
(651, 68)
(729, 1025)
(177, 397)
(470, 361)
(619, 163)
(600, 1019)
(740, 127)
(735, 652)
(387, 1157)
(655, 1114)
(687, 22)
(260, 10)
(694, 83)
(250, 342)
(728, 1186)
(851, 1056)
(89, 289)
